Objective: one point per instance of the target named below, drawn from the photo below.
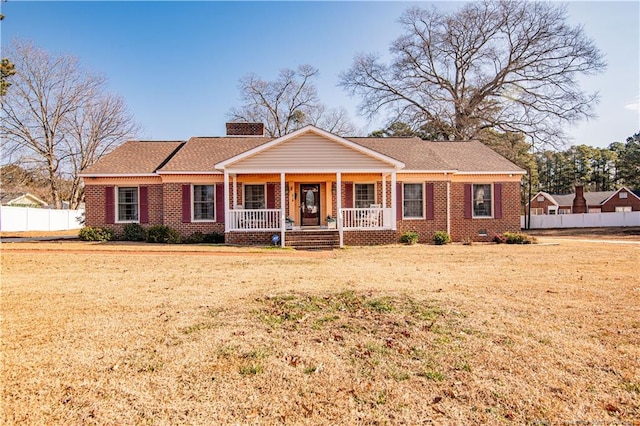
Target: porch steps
(313, 240)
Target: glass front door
(310, 204)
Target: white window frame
(623, 194)
(117, 204)
(375, 193)
(623, 209)
(244, 194)
(537, 211)
(473, 200)
(424, 206)
(193, 202)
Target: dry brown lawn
(481, 334)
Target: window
(413, 200)
(622, 194)
(564, 211)
(482, 200)
(128, 204)
(595, 210)
(540, 198)
(364, 195)
(203, 202)
(621, 209)
(535, 211)
(254, 197)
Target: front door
(310, 204)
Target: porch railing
(254, 220)
(366, 218)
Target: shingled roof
(134, 158)
(200, 154)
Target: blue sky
(177, 64)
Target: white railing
(583, 220)
(371, 218)
(254, 220)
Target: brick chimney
(579, 202)
(245, 129)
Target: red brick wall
(544, 205)
(172, 213)
(616, 201)
(250, 238)
(94, 199)
(368, 238)
(468, 229)
(426, 228)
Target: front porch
(260, 225)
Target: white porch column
(227, 216)
(394, 198)
(449, 207)
(384, 190)
(235, 191)
(283, 210)
(339, 206)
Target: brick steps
(312, 240)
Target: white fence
(15, 219)
(585, 220)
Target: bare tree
(287, 103)
(91, 132)
(510, 66)
(52, 116)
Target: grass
(493, 334)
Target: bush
(409, 237)
(163, 234)
(134, 232)
(519, 238)
(499, 239)
(195, 238)
(214, 238)
(441, 238)
(90, 233)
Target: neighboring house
(250, 187)
(22, 200)
(621, 200)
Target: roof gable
(627, 190)
(310, 149)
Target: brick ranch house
(359, 191)
(620, 200)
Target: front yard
(137, 333)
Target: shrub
(134, 232)
(519, 238)
(91, 233)
(195, 238)
(499, 239)
(163, 234)
(214, 238)
(441, 238)
(409, 237)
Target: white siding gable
(310, 152)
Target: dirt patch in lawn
(422, 334)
